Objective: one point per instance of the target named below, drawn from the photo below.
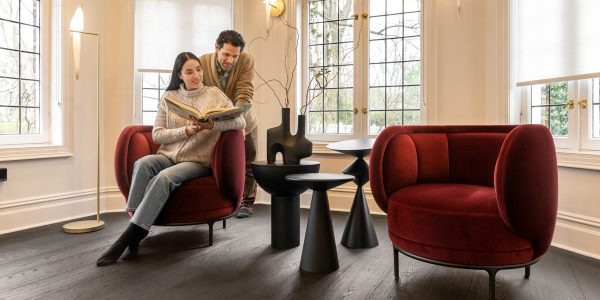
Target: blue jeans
(154, 178)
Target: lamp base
(83, 226)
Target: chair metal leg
(396, 273)
(527, 272)
(210, 233)
(224, 223)
(492, 282)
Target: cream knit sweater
(169, 128)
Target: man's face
(228, 56)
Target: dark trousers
(250, 145)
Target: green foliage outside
(552, 110)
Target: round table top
(319, 181)
(356, 147)
(279, 163)
(318, 177)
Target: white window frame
(579, 150)
(587, 141)
(55, 139)
(361, 81)
(138, 111)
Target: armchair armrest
(130, 147)
(229, 165)
(526, 184)
(393, 163)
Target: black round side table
(359, 231)
(285, 198)
(319, 254)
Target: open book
(189, 112)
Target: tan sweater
(169, 128)
(239, 83)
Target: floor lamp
(76, 30)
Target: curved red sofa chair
(474, 197)
(199, 200)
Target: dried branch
(289, 80)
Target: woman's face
(191, 74)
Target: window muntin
(549, 106)
(394, 64)
(20, 44)
(383, 71)
(594, 106)
(331, 43)
(154, 85)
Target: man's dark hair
(231, 37)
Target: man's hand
(244, 105)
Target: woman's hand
(198, 126)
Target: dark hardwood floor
(175, 263)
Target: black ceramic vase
(292, 147)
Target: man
(232, 70)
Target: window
(154, 85)
(556, 69)
(364, 70)
(549, 106)
(176, 22)
(20, 70)
(570, 109)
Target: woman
(185, 152)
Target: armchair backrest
(427, 154)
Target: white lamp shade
(77, 25)
(77, 20)
(76, 52)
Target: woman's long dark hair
(181, 59)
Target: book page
(189, 112)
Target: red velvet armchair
(474, 197)
(199, 200)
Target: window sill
(321, 149)
(26, 152)
(578, 159)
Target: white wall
(43, 191)
(470, 88)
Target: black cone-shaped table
(359, 231)
(319, 254)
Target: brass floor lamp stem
(92, 225)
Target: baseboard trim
(577, 233)
(31, 212)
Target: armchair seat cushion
(455, 223)
(185, 207)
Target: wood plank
(175, 262)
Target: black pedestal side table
(285, 198)
(359, 231)
(319, 254)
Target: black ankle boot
(132, 236)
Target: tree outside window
(19, 67)
(392, 48)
